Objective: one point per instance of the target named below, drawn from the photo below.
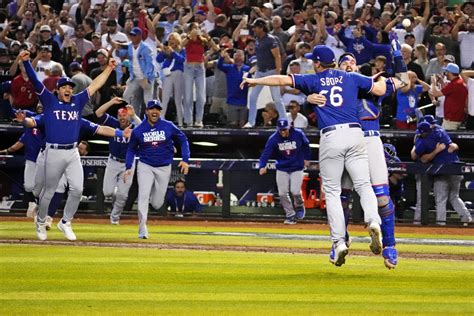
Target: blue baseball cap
(63, 81)
(154, 104)
(452, 68)
(136, 31)
(430, 119)
(253, 59)
(6, 86)
(323, 54)
(283, 124)
(423, 128)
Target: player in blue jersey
(62, 115)
(86, 128)
(153, 142)
(114, 186)
(290, 148)
(342, 142)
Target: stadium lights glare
(205, 144)
(99, 142)
(313, 145)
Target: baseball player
(86, 128)
(153, 142)
(62, 123)
(291, 149)
(434, 145)
(395, 180)
(114, 186)
(342, 142)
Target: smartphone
(244, 32)
(438, 19)
(353, 23)
(450, 9)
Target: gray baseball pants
(148, 177)
(290, 182)
(447, 188)
(339, 149)
(57, 163)
(115, 187)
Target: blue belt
(117, 159)
(61, 146)
(371, 133)
(334, 127)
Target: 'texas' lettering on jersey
(330, 81)
(66, 115)
(121, 140)
(287, 147)
(154, 136)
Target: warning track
(160, 246)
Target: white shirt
(336, 46)
(306, 66)
(117, 37)
(208, 26)
(466, 47)
(419, 33)
(300, 122)
(470, 101)
(42, 67)
(137, 71)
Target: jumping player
(342, 142)
(62, 124)
(114, 185)
(153, 141)
(291, 149)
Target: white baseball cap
(45, 28)
(268, 5)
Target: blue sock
(387, 214)
(54, 204)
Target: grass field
(51, 279)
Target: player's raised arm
(104, 107)
(98, 82)
(275, 80)
(30, 72)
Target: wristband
(118, 132)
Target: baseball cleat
(49, 222)
(290, 220)
(67, 230)
(376, 238)
(300, 214)
(390, 256)
(143, 236)
(41, 231)
(114, 221)
(247, 125)
(32, 210)
(338, 254)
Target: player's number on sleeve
(335, 98)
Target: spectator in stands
(467, 76)
(268, 63)
(83, 45)
(356, 44)
(195, 44)
(46, 39)
(23, 92)
(52, 77)
(466, 40)
(278, 31)
(220, 27)
(172, 55)
(434, 145)
(90, 61)
(295, 118)
(181, 201)
(436, 64)
(168, 24)
(270, 115)
(142, 72)
(5, 65)
(112, 35)
(455, 93)
(411, 65)
(105, 92)
(421, 57)
(290, 93)
(237, 112)
(408, 98)
(82, 81)
(43, 63)
(219, 85)
(306, 65)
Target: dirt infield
(410, 229)
(419, 256)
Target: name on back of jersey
(66, 115)
(154, 136)
(331, 81)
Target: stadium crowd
(192, 55)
